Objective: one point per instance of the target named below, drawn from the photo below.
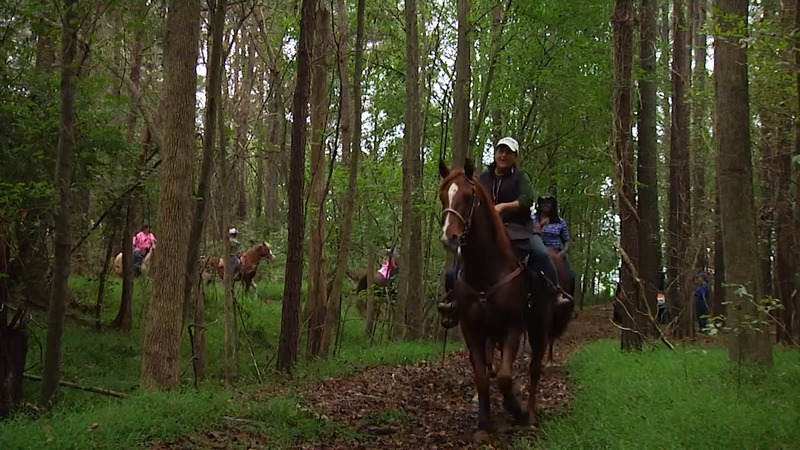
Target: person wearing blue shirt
(553, 229)
(702, 296)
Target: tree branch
(634, 274)
(70, 384)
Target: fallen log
(72, 385)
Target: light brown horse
(248, 264)
(492, 295)
(143, 269)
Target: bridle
(468, 220)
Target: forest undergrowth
(112, 359)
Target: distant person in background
(388, 269)
(233, 237)
(143, 242)
(702, 296)
(662, 307)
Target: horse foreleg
(504, 380)
(538, 336)
(477, 356)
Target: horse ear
(469, 169)
(444, 171)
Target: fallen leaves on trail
(425, 405)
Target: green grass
(112, 359)
(690, 398)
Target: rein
(483, 296)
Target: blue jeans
(540, 260)
(137, 258)
(236, 262)
(702, 310)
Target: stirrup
(563, 297)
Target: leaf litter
(428, 404)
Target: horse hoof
(481, 436)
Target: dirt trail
(425, 405)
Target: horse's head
(459, 197)
(265, 251)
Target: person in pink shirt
(388, 268)
(143, 242)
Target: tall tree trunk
(622, 24)
(125, 313)
(796, 254)
(317, 279)
(749, 341)
(410, 278)
(647, 161)
(718, 297)
(290, 314)
(13, 338)
(226, 173)
(162, 336)
(498, 16)
(350, 136)
(461, 88)
(242, 116)
(275, 146)
(678, 225)
(213, 94)
(773, 130)
(699, 149)
(51, 371)
(767, 145)
(664, 64)
(785, 263)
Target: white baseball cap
(512, 144)
(233, 231)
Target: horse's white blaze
(451, 195)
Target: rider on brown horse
(511, 191)
(553, 228)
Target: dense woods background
(667, 130)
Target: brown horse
(564, 311)
(247, 267)
(491, 297)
